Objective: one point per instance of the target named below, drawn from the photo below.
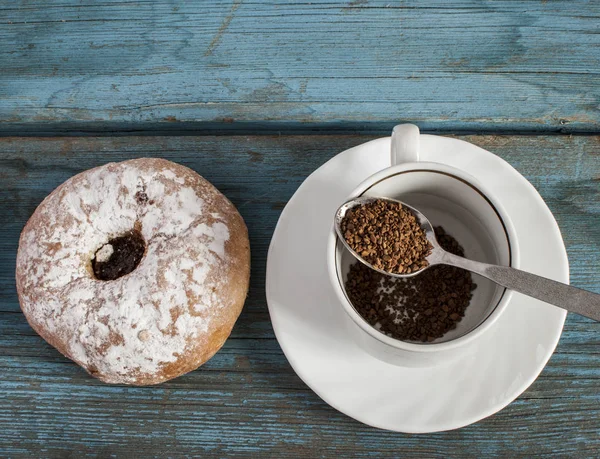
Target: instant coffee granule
(420, 308)
(388, 236)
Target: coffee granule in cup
(420, 308)
(387, 235)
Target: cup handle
(405, 144)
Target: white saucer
(310, 324)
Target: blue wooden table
(254, 96)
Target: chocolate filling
(119, 256)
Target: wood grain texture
(247, 401)
(446, 64)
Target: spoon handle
(562, 295)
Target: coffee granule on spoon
(420, 308)
(387, 235)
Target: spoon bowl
(433, 258)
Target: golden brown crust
(168, 316)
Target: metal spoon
(556, 293)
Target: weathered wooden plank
(247, 401)
(459, 64)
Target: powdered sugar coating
(139, 327)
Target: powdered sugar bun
(174, 310)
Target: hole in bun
(119, 256)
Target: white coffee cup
(468, 211)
